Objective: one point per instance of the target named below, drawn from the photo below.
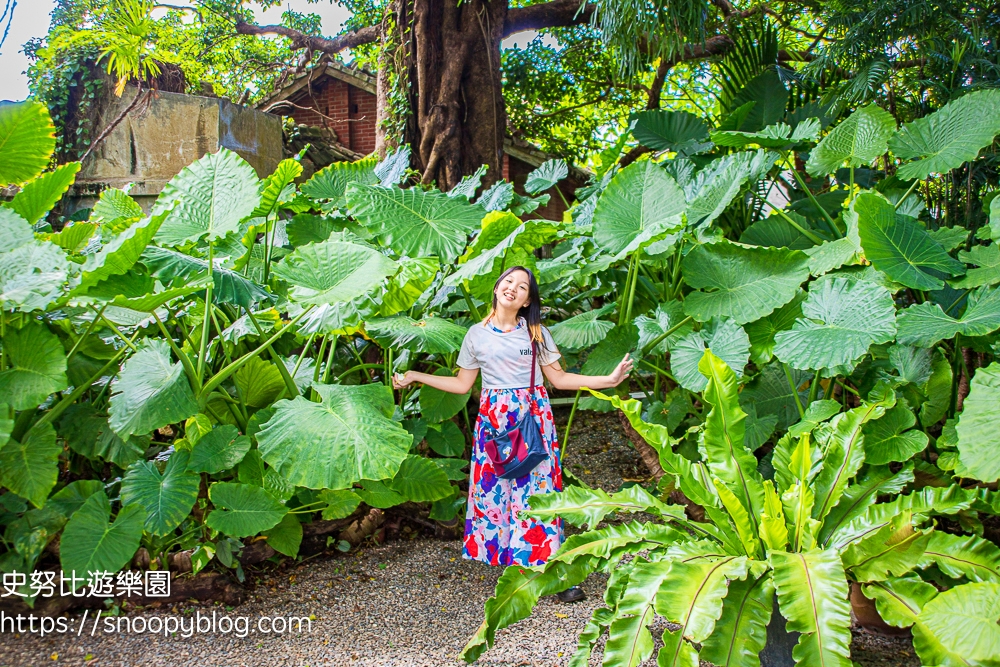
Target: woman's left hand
(621, 371)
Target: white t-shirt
(505, 357)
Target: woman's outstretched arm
(560, 379)
(458, 384)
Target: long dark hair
(531, 311)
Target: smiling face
(513, 291)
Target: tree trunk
(447, 56)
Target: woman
(501, 346)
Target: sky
(31, 19)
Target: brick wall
(348, 111)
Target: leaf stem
(663, 336)
(219, 377)
(76, 345)
(202, 350)
(569, 424)
(290, 385)
(795, 390)
(812, 198)
(184, 359)
(119, 333)
(908, 192)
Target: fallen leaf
(558, 615)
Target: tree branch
(300, 40)
(554, 14)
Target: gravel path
(404, 603)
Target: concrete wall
(160, 137)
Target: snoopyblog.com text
(168, 626)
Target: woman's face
(512, 292)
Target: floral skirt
(494, 533)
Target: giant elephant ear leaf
(812, 596)
(727, 340)
(436, 405)
(744, 283)
(678, 131)
(27, 139)
(90, 544)
(887, 439)
(32, 275)
(30, 468)
(167, 497)
(641, 203)
(230, 286)
(329, 184)
(346, 437)
(899, 247)
(150, 392)
(583, 330)
(841, 319)
(242, 510)
(432, 335)
(546, 175)
(220, 449)
(414, 222)
(39, 195)
(858, 140)
(207, 198)
(960, 626)
(978, 438)
(421, 480)
(924, 324)
(121, 253)
(37, 367)
(333, 271)
(949, 137)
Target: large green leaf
(761, 332)
(445, 439)
(723, 337)
(30, 468)
(899, 601)
(858, 140)
(741, 632)
(119, 255)
(887, 438)
(892, 551)
(691, 597)
(581, 506)
(812, 596)
(859, 496)
(242, 510)
(841, 319)
(346, 437)
(603, 359)
(950, 136)
(27, 139)
(414, 222)
(340, 503)
(924, 324)
(88, 434)
(517, 592)
(421, 480)
(150, 392)
(546, 175)
(90, 544)
(629, 641)
(607, 542)
(14, 230)
(744, 283)
(286, 537)
(978, 437)
(229, 286)
(776, 232)
(901, 248)
(209, 197)
(716, 185)
(960, 627)
(986, 259)
(167, 497)
(259, 383)
(641, 203)
(960, 556)
(330, 183)
(678, 131)
(37, 366)
(39, 195)
(377, 494)
(32, 275)
(414, 278)
(333, 271)
(583, 330)
(437, 405)
(842, 440)
(220, 449)
(728, 458)
(667, 316)
(278, 187)
(432, 335)
(116, 210)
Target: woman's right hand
(402, 381)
